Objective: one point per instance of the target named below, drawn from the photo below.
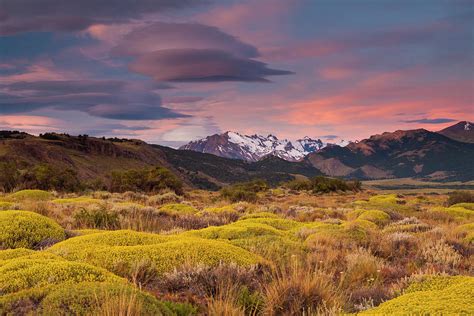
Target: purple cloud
(201, 65)
(161, 35)
(59, 15)
(430, 121)
(102, 98)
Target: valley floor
(289, 253)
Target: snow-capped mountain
(254, 147)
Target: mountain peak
(462, 131)
(254, 147)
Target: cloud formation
(162, 35)
(430, 121)
(192, 52)
(201, 65)
(58, 15)
(111, 99)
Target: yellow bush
(20, 274)
(278, 223)
(36, 195)
(23, 229)
(260, 215)
(6, 205)
(468, 230)
(219, 210)
(460, 212)
(178, 209)
(333, 234)
(378, 217)
(119, 251)
(469, 206)
(84, 298)
(77, 200)
(15, 253)
(237, 230)
(436, 296)
(94, 298)
(116, 238)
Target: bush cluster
(145, 180)
(321, 184)
(245, 191)
(460, 197)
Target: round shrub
(77, 200)
(23, 229)
(114, 238)
(84, 298)
(260, 215)
(378, 217)
(95, 298)
(237, 230)
(178, 209)
(468, 231)
(436, 296)
(36, 195)
(20, 274)
(15, 253)
(162, 254)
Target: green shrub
(178, 209)
(21, 274)
(322, 184)
(469, 206)
(437, 296)
(164, 253)
(246, 191)
(94, 298)
(145, 180)
(456, 212)
(460, 197)
(378, 217)
(23, 229)
(116, 238)
(468, 231)
(84, 298)
(355, 232)
(35, 195)
(48, 177)
(15, 253)
(299, 185)
(77, 200)
(264, 236)
(260, 215)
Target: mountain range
(254, 147)
(414, 153)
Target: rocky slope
(414, 153)
(462, 131)
(95, 158)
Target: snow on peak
(467, 126)
(255, 147)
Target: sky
(172, 71)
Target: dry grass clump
(299, 289)
(440, 254)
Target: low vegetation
(308, 247)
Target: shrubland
(309, 247)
